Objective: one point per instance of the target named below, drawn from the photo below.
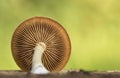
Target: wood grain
(66, 74)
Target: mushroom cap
(41, 29)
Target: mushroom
(40, 45)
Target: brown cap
(41, 29)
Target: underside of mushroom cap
(48, 31)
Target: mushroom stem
(37, 66)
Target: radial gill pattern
(41, 29)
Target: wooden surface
(65, 74)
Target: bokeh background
(93, 27)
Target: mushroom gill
(48, 31)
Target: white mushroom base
(37, 66)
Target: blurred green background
(93, 27)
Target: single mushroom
(40, 45)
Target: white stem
(37, 66)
